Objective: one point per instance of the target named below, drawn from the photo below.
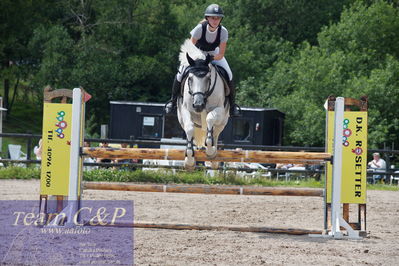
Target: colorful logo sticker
(346, 133)
(357, 151)
(61, 124)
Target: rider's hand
(210, 57)
(217, 57)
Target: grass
(179, 177)
(196, 177)
(383, 187)
(164, 177)
(15, 172)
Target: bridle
(200, 71)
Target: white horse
(203, 111)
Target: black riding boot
(235, 110)
(171, 104)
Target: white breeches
(223, 63)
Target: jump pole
(205, 189)
(253, 229)
(336, 216)
(248, 156)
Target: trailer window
(151, 127)
(242, 130)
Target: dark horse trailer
(146, 121)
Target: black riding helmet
(214, 10)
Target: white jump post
(74, 174)
(71, 209)
(336, 215)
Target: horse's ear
(190, 60)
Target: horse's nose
(198, 103)
(199, 107)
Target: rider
(209, 36)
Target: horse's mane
(192, 50)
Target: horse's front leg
(189, 160)
(213, 118)
(210, 146)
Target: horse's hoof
(189, 168)
(214, 165)
(211, 152)
(189, 163)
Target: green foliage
(53, 48)
(382, 87)
(163, 176)
(370, 29)
(160, 177)
(295, 21)
(183, 177)
(382, 187)
(258, 52)
(284, 54)
(180, 177)
(348, 62)
(14, 172)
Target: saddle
(220, 70)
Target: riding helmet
(214, 10)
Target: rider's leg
(223, 63)
(171, 104)
(234, 108)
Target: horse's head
(199, 81)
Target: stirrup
(169, 107)
(235, 110)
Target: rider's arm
(222, 49)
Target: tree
(382, 87)
(17, 22)
(349, 62)
(117, 50)
(294, 21)
(365, 29)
